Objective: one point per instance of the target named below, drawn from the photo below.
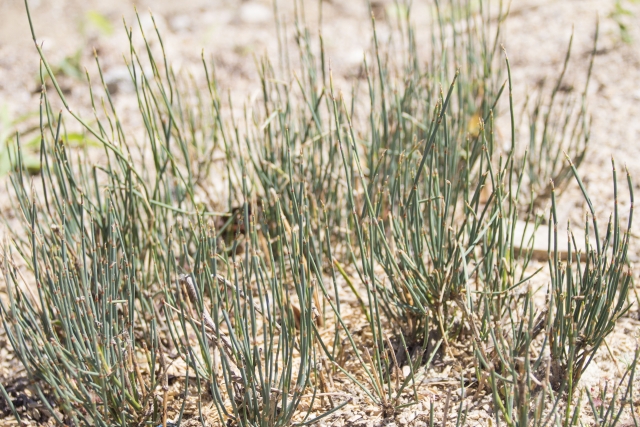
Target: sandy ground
(232, 32)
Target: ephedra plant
(357, 239)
